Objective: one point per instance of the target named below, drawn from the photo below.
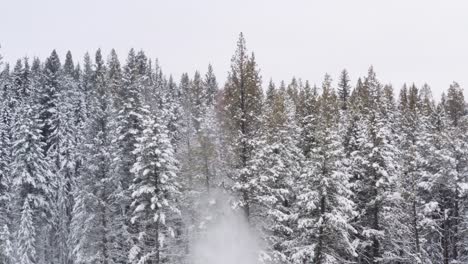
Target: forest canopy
(107, 162)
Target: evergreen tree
(91, 211)
(413, 177)
(242, 101)
(31, 179)
(130, 85)
(154, 190)
(325, 207)
(208, 136)
(49, 97)
(376, 192)
(344, 89)
(308, 118)
(455, 107)
(455, 155)
(26, 236)
(211, 86)
(62, 154)
(278, 160)
(293, 90)
(6, 246)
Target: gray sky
(406, 40)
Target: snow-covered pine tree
(120, 177)
(307, 112)
(49, 99)
(208, 136)
(242, 100)
(293, 90)
(188, 133)
(325, 207)
(439, 185)
(278, 160)
(457, 185)
(154, 191)
(49, 96)
(86, 87)
(6, 239)
(376, 191)
(27, 236)
(91, 240)
(191, 154)
(32, 184)
(344, 89)
(5, 142)
(211, 86)
(62, 155)
(170, 96)
(21, 80)
(7, 253)
(354, 142)
(199, 148)
(197, 103)
(198, 97)
(413, 177)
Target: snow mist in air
(226, 237)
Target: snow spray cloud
(226, 238)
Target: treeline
(109, 163)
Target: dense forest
(103, 162)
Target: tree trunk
(207, 168)
(105, 254)
(445, 239)
(375, 226)
(415, 227)
(319, 252)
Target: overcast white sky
(406, 40)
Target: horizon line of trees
(110, 163)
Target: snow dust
(227, 237)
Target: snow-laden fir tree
(91, 238)
(211, 86)
(242, 101)
(293, 90)
(377, 194)
(344, 89)
(198, 111)
(49, 96)
(6, 239)
(27, 236)
(49, 92)
(62, 156)
(5, 146)
(278, 160)
(154, 191)
(454, 174)
(32, 183)
(127, 87)
(208, 134)
(439, 185)
(7, 255)
(324, 205)
(307, 112)
(413, 176)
